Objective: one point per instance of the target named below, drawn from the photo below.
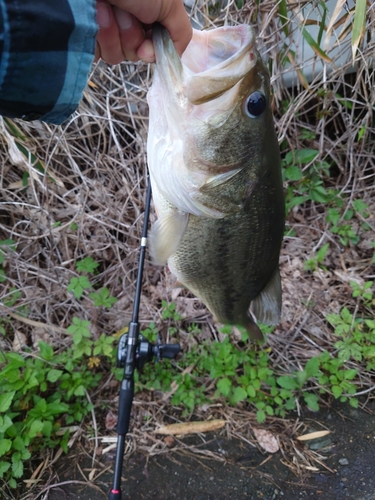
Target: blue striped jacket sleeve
(46, 50)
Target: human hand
(125, 28)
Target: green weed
(304, 175)
(317, 260)
(103, 298)
(244, 373)
(88, 265)
(78, 285)
(41, 392)
(347, 224)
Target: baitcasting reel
(145, 351)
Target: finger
(97, 52)
(108, 36)
(170, 13)
(176, 21)
(146, 52)
(131, 33)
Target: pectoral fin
(267, 306)
(166, 235)
(220, 195)
(253, 329)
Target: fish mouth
(218, 49)
(214, 61)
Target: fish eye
(255, 104)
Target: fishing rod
(134, 350)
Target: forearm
(46, 53)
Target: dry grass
(95, 177)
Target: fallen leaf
(110, 420)
(16, 185)
(93, 362)
(71, 429)
(266, 440)
(191, 427)
(20, 341)
(36, 474)
(310, 467)
(313, 435)
(169, 441)
(92, 474)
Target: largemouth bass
(215, 171)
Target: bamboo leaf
(19, 152)
(299, 72)
(13, 129)
(31, 158)
(319, 51)
(191, 427)
(283, 15)
(322, 22)
(336, 12)
(359, 25)
(313, 435)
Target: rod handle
(125, 405)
